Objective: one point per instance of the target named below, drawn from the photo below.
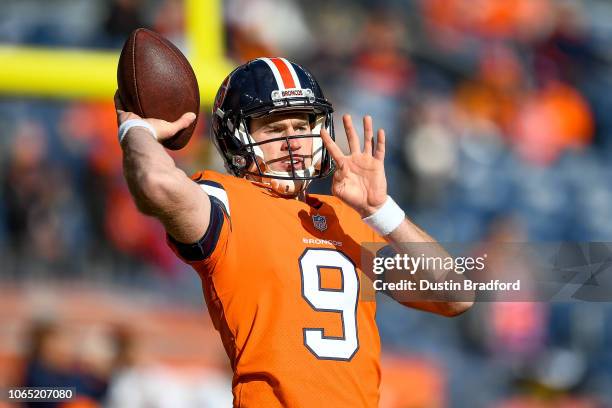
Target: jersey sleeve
(204, 254)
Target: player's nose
(292, 143)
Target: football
(155, 80)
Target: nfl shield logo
(319, 222)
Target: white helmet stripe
(276, 72)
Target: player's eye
(272, 130)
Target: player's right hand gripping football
(164, 130)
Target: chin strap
(288, 187)
(285, 188)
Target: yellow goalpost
(87, 74)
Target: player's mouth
(288, 164)
(297, 163)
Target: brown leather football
(155, 80)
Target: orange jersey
(281, 279)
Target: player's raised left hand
(359, 179)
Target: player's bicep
(214, 238)
(186, 215)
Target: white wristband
(387, 218)
(128, 124)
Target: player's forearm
(148, 170)
(403, 240)
(409, 232)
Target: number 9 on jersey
(342, 301)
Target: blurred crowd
(496, 113)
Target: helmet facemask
(294, 181)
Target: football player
(280, 268)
